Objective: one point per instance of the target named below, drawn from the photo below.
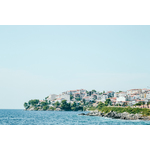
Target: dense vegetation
(143, 111)
(45, 105)
(106, 107)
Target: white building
(132, 97)
(59, 100)
(104, 97)
(148, 95)
(75, 91)
(88, 98)
(121, 98)
(64, 96)
(52, 97)
(110, 93)
(134, 91)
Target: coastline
(115, 115)
(111, 114)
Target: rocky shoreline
(115, 115)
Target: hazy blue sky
(36, 61)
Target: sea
(22, 117)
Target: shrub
(45, 107)
(51, 108)
(143, 111)
(36, 108)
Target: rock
(115, 115)
(110, 114)
(57, 109)
(92, 113)
(82, 114)
(95, 111)
(101, 114)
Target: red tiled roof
(109, 91)
(86, 97)
(133, 89)
(139, 100)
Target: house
(132, 97)
(74, 91)
(145, 90)
(104, 97)
(134, 91)
(148, 95)
(88, 98)
(64, 96)
(113, 100)
(117, 94)
(143, 95)
(76, 95)
(84, 94)
(59, 100)
(94, 96)
(52, 97)
(110, 94)
(121, 98)
(122, 94)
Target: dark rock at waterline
(82, 114)
(115, 115)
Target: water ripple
(21, 117)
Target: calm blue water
(21, 117)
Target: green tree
(51, 108)
(90, 93)
(57, 104)
(84, 108)
(125, 104)
(36, 108)
(44, 103)
(84, 101)
(118, 105)
(93, 91)
(33, 102)
(46, 97)
(78, 98)
(45, 107)
(25, 105)
(139, 103)
(73, 108)
(103, 91)
(100, 105)
(71, 97)
(148, 103)
(74, 104)
(108, 102)
(65, 106)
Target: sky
(36, 61)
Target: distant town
(81, 98)
(129, 97)
(133, 104)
